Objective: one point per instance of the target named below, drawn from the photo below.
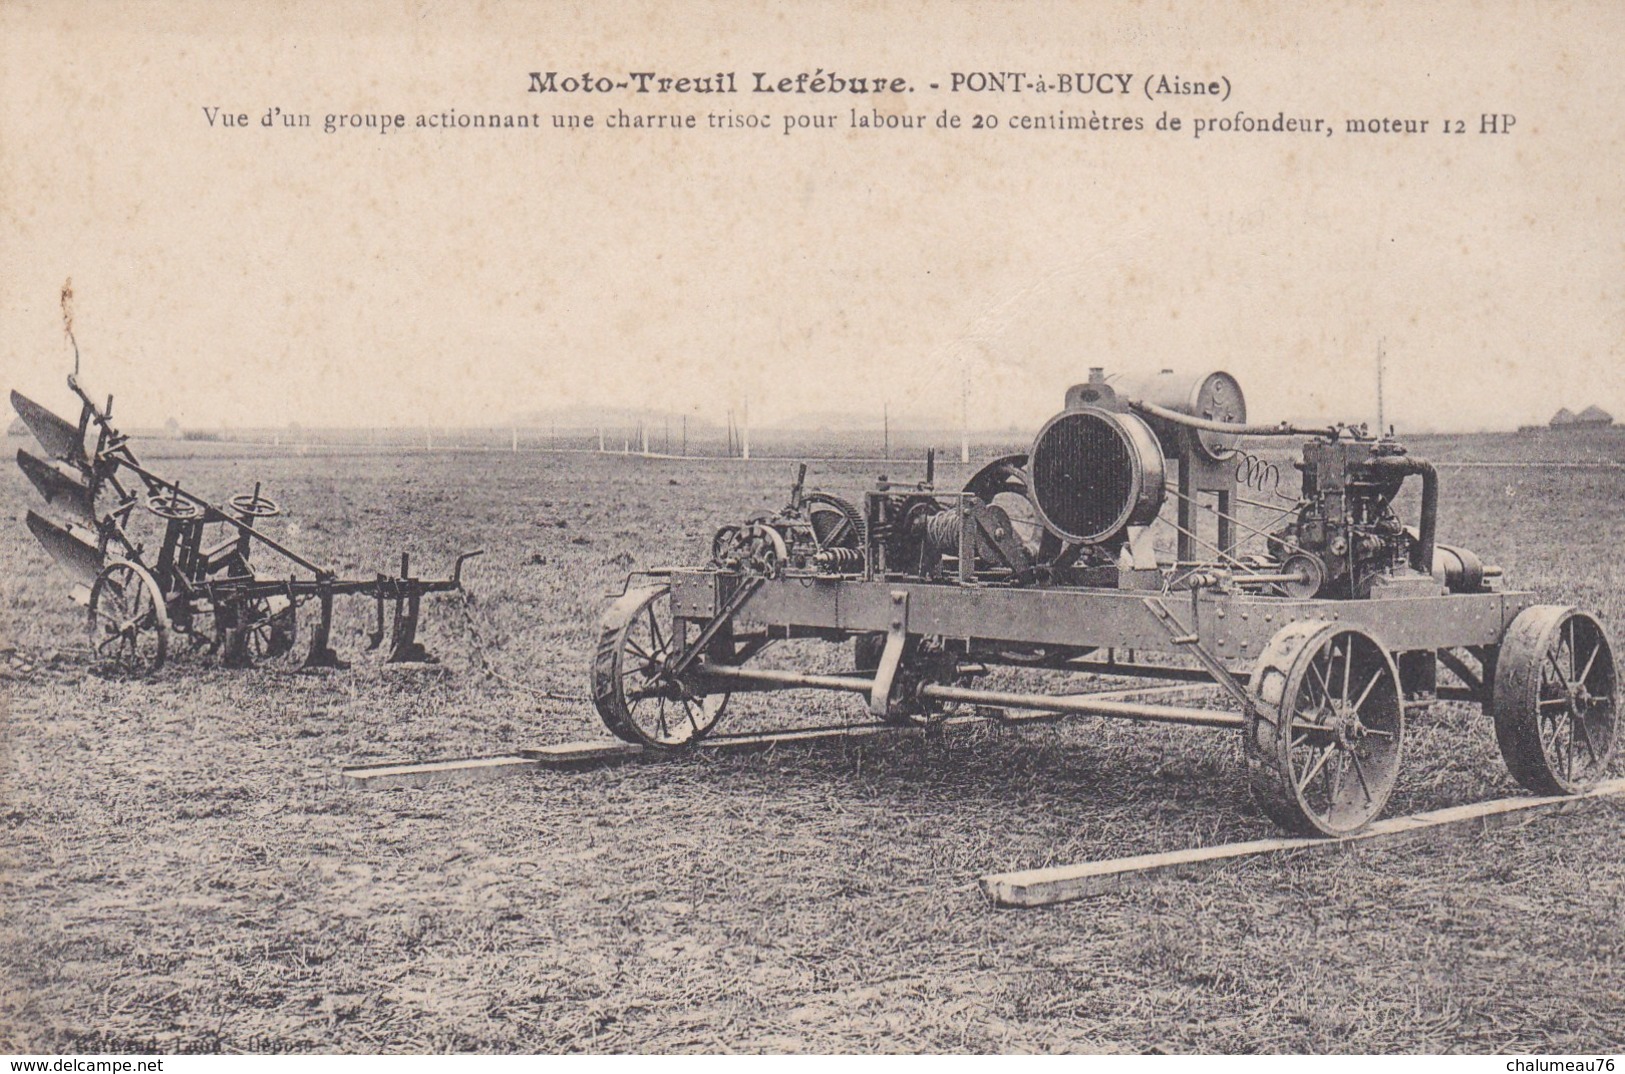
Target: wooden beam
(416, 774)
(1064, 883)
(569, 754)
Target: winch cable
(480, 650)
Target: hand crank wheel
(169, 504)
(253, 505)
(636, 697)
(1324, 742)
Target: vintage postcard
(885, 527)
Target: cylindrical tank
(1458, 569)
(1214, 396)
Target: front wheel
(1555, 700)
(638, 699)
(128, 625)
(1327, 730)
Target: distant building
(1592, 417)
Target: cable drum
(1094, 473)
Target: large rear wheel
(1555, 700)
(637, 697)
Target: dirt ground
(184, 869)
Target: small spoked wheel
(1555, 700)
(274, 628)
(638, 699)
(128, 624)
(261, 629)
(1324, 741)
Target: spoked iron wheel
(636, 697)
(1555, 700)
(267, 628)
(275, 632)
(1323, 749)
(128, 625)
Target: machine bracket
(741, 596)
(891, 657)
(1190, 639)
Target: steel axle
(746, 678)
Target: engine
(1077, 509)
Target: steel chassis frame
(1219, 629)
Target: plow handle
(457, 568)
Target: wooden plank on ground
(591, 752)
(416, 774)
(1064, 883)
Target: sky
(259, 276)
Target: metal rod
(1084, 666)
(1069, 703)
(1221, 553)
(746, 590)
(770, 678)
(1233, 429)
(1235, 519)
(1144, 671)
(1297, 502)
(1081, 703)
(1272, 579)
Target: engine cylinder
(1092, 473)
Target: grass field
(184, 869)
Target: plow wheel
(266, 629)
(274, 635)
(636, 697)
(1324, 740)
(1555, 701)
(128, 625)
